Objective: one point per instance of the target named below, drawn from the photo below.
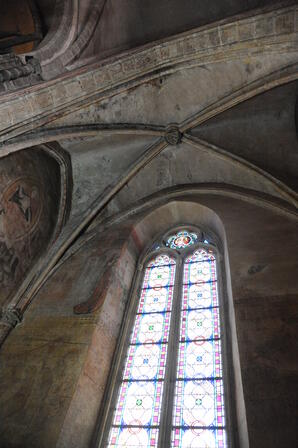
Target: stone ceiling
(211, 109)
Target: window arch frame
(117, 366)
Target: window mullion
(170, 377)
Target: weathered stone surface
(54, 343)
(41, 365)
(267, 342)
(231, 173)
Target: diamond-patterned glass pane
(200, 359)
(145, 362)
(203, 295)
(139, 403)
(199, 438)
(200, 324)
(156, 300)
(151, 328)
(199, 403)
(136, 437)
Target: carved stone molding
(15, 72)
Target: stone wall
(268, 341)
(54, 369)
(54, 366)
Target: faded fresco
(29, 201)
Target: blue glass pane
(140, 394)
(145, 362)
(199, 438)
(200, 295)
(156, 300)
(198, 414)
(199, 359)
(133, 437)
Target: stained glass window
(137, 417)
(198, 416)
(182, 239)
(174, 361)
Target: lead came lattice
(198, 414)
(137, 416)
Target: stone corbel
(11, 317)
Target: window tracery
(171, 392)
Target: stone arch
(70, 31)
(137, 233)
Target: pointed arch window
(170, 390)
